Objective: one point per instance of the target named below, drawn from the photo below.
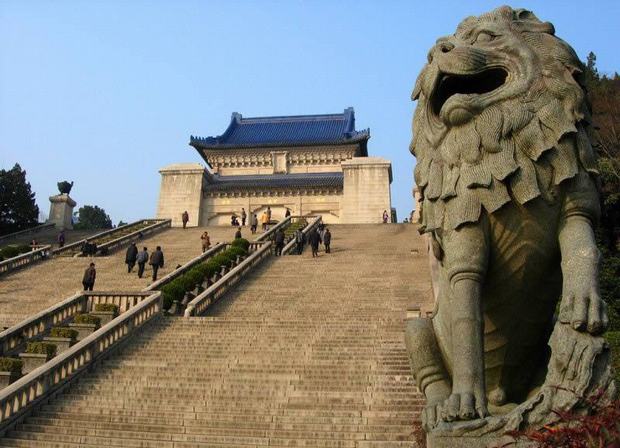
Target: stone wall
(181, 189)
(365, 195)
(366, 190)
(217, 210)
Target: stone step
(303, 353)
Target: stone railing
(186, 267)
(35, 327)
(157, 224)
(313, 222)
(269, 233)
(211, 295)
(123, 240)
(25, 394)
(35, 229)
(25, 259)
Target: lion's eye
(483, 37)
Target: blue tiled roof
(299, 130)
(269, 181)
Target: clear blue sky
(105, 93)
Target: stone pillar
(181, 190)
(61, 211)
(366, 190)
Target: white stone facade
(362, 199)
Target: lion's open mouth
(483, 82)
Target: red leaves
(600, 428)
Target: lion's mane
(515, 150)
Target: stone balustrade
(26, 259)
(35, 229)
(158, 224)
(13, 339)
(313, 222)
(211, 295)
(269, 233)
(32, 389)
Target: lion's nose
(445, 46)
(442, 46)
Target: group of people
(317, 236)
(133, 256)
(265, 220)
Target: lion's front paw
(583, 308)
(464, 406)
(431, 415)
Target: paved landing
(35, 288)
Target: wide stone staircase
(28, 291)
(304, 352)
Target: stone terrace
(35, 288)
(305, 352)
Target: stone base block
(61, 211)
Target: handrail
(30, 390)
(78, 244)
(215, 291)
(186, 267)
(310, 226)
(118, 242)
(35, 326)
(267, 235)
(34, 229)
(19, 261)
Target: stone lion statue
(508, 181)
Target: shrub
(41, 348)
(11, 365)
(237, 252)
(14, 251)
(241, 242)
(173, 291)
(63, 332)
(106, 307)
(221, 259)
(212, 267)
(86, 319)
(176, 289)
(193, 278)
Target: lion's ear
(529, 22)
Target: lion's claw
(463, 406)
(584, 311)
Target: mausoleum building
(308, 164)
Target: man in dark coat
(88, 281)
(299, 241)
(143, 257)
(238, 233)
(131, 256)
(185, 218)
(327, 239)
(61, 238)
(157, 261)
(244, 216)
(314, 239)
(279, 241)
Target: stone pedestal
(61, 211)
(366, 190)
